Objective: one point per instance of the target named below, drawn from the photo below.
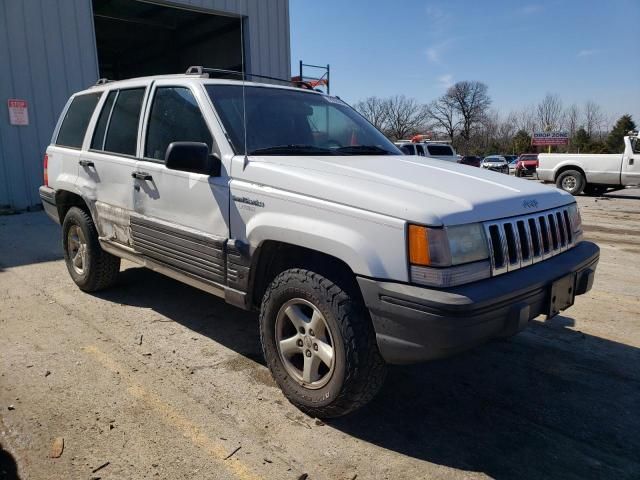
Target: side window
(74, 125)
(440, 150)
(119, 117)
(420, 150)
(635, 145)
(97, 142)
(174, 117)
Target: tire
(357, 371)
(571, 181)
(94, 269)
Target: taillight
(46, 169)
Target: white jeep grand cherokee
(286, 201)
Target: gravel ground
(154, 379)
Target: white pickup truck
(287, 202)
(592, 173)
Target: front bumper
(48, 198)
(501, 169)
(415, 324)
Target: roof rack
(206, 72)
(102, 81)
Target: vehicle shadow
(551, 402)
(8, 466)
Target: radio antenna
(244, 99)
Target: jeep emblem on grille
(530, 204)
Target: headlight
(448, 256)
(576, 222)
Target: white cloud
(436, 14)
(531, 9)
(588, 52)
(445, 81)
(435, 52)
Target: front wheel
(319, 344)
(571, 181)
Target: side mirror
(192, 157)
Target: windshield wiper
(363, 150)
(294, 149)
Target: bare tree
(442, 112)
(374, 109)
(471, 101)
(525, 119)
(405, 116)
(572, 119)
(594, 119)
(549, 113)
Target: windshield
(290, 122)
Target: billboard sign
(550, 138)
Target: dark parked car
(470, 160)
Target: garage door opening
(137, 38)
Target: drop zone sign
(550, 138)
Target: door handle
(86, 163)
(142, 176)
(631, 161)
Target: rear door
(182, 218)
(106, 167)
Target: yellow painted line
(175, 419)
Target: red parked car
(527, 164)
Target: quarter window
(174, 117)
(74, 125)
(97, 143)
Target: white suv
(286, 201)
(440, 151)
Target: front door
(182, 218)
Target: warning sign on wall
(18, 112)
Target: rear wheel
(319, 344)
(571, 181)
(90, 267)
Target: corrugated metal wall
(47, 52)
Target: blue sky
(581, 50)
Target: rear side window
(175, 117)
(117, 128)
(74, 125)
(97, 143)
(420, 150)
(440, 150)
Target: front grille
(520, 241)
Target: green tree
(521, 142)
(581, 140)
(615, 140)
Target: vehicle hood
(413, 188)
